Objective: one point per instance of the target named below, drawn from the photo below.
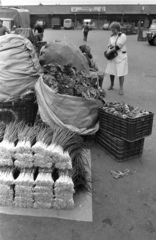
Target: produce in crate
(123, 110)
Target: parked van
(12, 16)
(90, 22)
(68, 24)
(56, 23)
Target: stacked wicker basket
(22, 108)
(123, 138)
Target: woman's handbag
(110, 55)
(113, 54)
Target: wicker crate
(127, 129)
(23, 108)
(119, 149)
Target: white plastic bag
(19, 66)
(75, 113)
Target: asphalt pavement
(124, 208)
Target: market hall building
(98, 13)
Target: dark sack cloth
(110, 55)
(64, 52)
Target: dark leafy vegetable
(67, 80)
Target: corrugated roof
(49, 9)
(110, 9)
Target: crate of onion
(125, 122)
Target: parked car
(68, 24)
(151, 34)
(129, 29)
(106, 26)
(56, 23)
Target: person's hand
(111, 50)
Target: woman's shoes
(111, 87)
(120, 92)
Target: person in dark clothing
(94, 71)
(85, 31)
(40, 32)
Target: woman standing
(118, 66)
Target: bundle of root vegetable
(68, 80)
(46, 166)
(124, 110)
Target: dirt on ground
(124, 208)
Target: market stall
(44, 165)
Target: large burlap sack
(75, 113)
(19, 66)
(63, 52)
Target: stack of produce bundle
(24, 184)
(6, 187)
(23, 155)
(7, 146)
(64, 190)
(34, 165)
(57, 149)
(43, 139)
(63, 161)
(43, 190)
(74, 148)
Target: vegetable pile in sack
(19, 66)
(63, 53)
(68, 98)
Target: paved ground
(123, 209)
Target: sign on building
(88, 9)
